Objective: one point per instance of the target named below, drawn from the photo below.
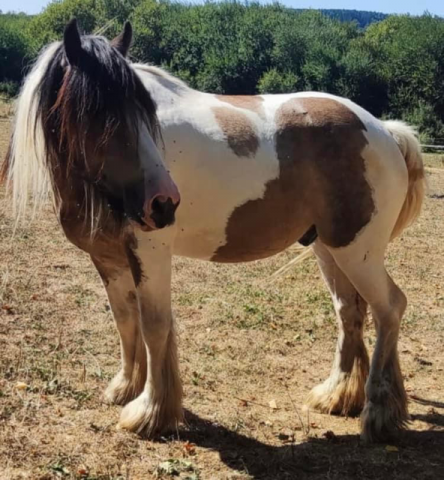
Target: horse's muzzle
(161, 201)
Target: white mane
(160, 72)
(27, 170)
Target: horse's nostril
(157, 206)
(158, 201)
(162, 211)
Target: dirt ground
(251, 348)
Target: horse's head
(100, 125)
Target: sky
(414, 7)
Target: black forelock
(101, 90)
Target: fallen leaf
(391, 448)
(190, 448)
(273, 404)
(21, 386)
(8, 309)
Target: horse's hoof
(149, 418)
(382, 422)
(345, 397)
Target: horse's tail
(407, 139)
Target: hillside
(362, 17)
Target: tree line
(394, 67)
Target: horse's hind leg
(119, 284)
(343, 392)
(385, 410)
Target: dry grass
(245, 341)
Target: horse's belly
(252, 233)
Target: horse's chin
(135, 225)
(141, 225)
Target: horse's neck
(164, 89)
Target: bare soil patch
(251, 348)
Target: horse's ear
(72, 42)
(123, 41)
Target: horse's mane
(58, 108)
(160, 72)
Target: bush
(277, 82)
(15, 50)
(424, 117)
(9, 89)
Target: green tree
(394, 67)
(15, 51)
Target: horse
(254, 175)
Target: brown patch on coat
(238, 130)
(319, 144)
(248, 102)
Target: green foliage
(425, 115)
(274, 81)
(15, 51)
(9, 89)
(391, 65)
(407, 58)
(48, 26)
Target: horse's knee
(351, 313)
(389, 314)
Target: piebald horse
(255, 174)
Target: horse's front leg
(119, 284)
(159, 407)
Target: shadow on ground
(418, 454)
